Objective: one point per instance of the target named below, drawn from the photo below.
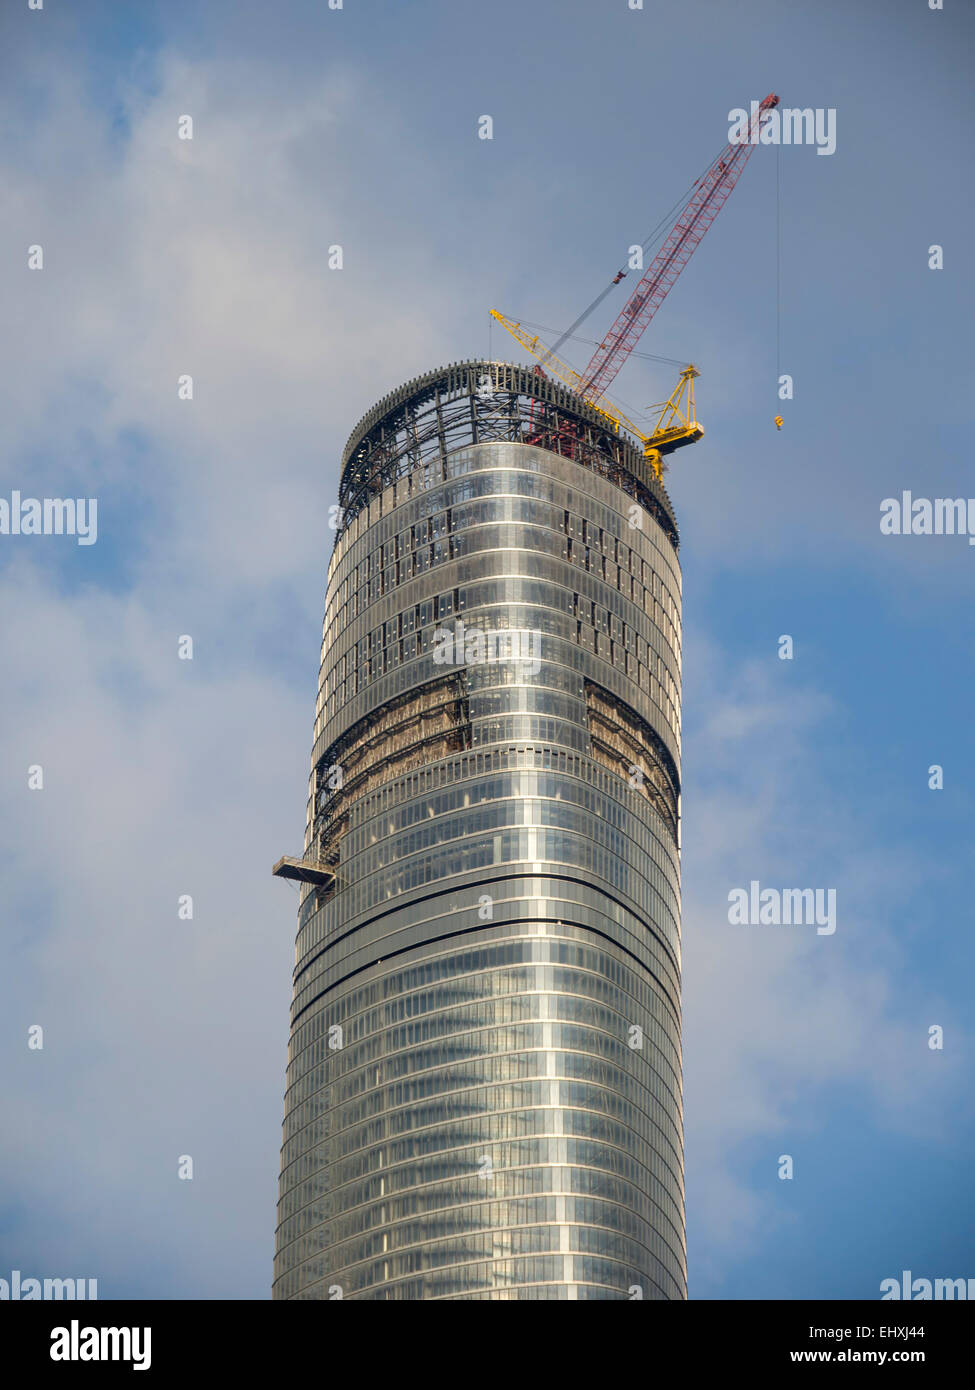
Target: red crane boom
(706, 201)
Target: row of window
(361, 1070)
(345, 1154)
(561, 654)
(556, 663)
(519, 790)
(466, 1003)
(611, 613)
(413, 630)
(641, 1270)
(598, 1119)
(512, 578)
(525, 1192)
(495, 470)
(544, 596)
(435, 1098)
(380, 1234)
(451, 535)
(485, 966)
(399, 1100)
(371, 1201)
(346, 1259)
(376, 882)
(381, 859)
(352, 1070)
(520, 770)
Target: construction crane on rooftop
(675, 424)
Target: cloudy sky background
(163, 777)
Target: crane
(675, 424)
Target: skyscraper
(484, 1080)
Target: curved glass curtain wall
(484, 1081)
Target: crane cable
(652, 237)
(591, 342)
(778, 266)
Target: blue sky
(162, 777)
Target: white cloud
(165, 777)
(776, 1015)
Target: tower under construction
(484, 1079)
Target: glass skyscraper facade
(484, 1079)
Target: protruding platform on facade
(302, 871)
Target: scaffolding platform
(302, 871)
